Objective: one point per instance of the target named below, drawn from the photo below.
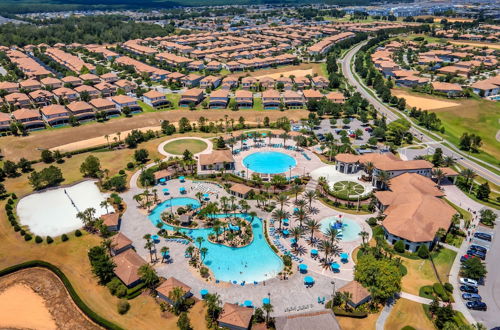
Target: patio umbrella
(203, 292)
(303, 267)
(182, 190)
(182, 178)
(286, 232)
(266, 301)
(206, 196)
(314, 252)
(308, 280)
(166, 253)
(155, 237)
(248, 303)
(293, 240)
(165, 191)
(335, 267)
(163, 180)
(286, 221)
(344, 256)
(295, 210)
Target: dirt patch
(424, 103)
(14, 148)
(296, 73)
(35, 298)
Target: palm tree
(203, 253)
(439, 175)
(279, 215)
(107, 139)
(104, 204)
(300, 203)
(199, 195)
(313, 225)
(164, 250)
(441, 232)
(369, 166)
(190, 250)
(468, 175)
(138, 199)
(295, 190)
(364, 236)
(148, 275)
(326, 247)
(297, 234)
(448, 161)
(383, 178)
(332, 235)
(282, 200)
(200, 241)
(108, 244)
(177, 296)
(310, 196)
(268, 308)
(301, 215)
(149, 245)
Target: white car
(467, 281)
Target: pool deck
(285, 294)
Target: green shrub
(117, 288)
(10, 202)
(399, 246)
(121, 172)
(22, 232)
(130, 165)
(448, 287)
(38, 239)
(423, 251)
(407, 328)
(354, 314)
(372, 221)
(27, 237)
(78, 233)
(13, 196)
(439, 290)
(50, 240)
(8, 207)
(17, 228)
(64, 237)
(123, 306)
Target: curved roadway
(448, 149)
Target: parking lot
(326, 127)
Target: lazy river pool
(254, 262)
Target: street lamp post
(290, 169)
(333, 291)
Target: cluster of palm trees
(147, 198)
(150, 245)
(91, 223)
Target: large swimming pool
(254, 262)
(182, 201)
(350, 228)
(269, 162)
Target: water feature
(348, 229)
(269, 162)
(254, 262)
(53, 212)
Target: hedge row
(76, 298)
(354, 314)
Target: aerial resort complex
(249, 166)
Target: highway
(420, 133)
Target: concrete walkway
(384, 315)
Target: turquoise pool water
(350, 228)
(181, 201)
(269, 162)
(254, 262)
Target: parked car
(478, 248)
(476, 305)
(471, 296)
(467, 281)
(466, 257)
(483, 236)
(468, 288)
(476, 253)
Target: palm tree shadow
(300, 250)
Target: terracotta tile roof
(127, 266)
(24, 113)
(101, 103)
(79, 106)
(443, 86)
(54, 109)
(322, 320)
(216, 156)
(162, 173)
(110, 219)
(119, 241)
(168, 285)
(153, 94)
(414, 210)
(236, 315)
(240, 188)
(241, 93)
(357, 291)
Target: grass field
(177, 147)
(408, 313)
(472, 115)
(367, 323)
(14, 147)
(420, 271)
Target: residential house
(312, 94)
(191, 96)
(66, 94)
(196, 65)
(41, 97)
(106, 89)
(156, 99)
(18, 100)
(72, 81)
(109, 77)
(267, 82)
(29, 118)
(210, 82)
(302, 82)
(30, 85)
(5, 121)
(318, 320)
(51, 83)
(271, 99)
(105, 105)
(81, 110)
(90, 78)
(127, 267)
(293, 99)
(191, 80)
(320, 82)
(9, 87)
(335, 97)
(86, 89)
(487, 87)
(358, 294)
(126, 85)
(55, 114)
(214, 66)
(219, 99)
(244, 98)
(124, 101)
(248, 83)
(111, 220)
(451, 90)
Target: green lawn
(177, 147)
(145, 107)
(174, 99)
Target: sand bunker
(424, 103)
(296, 73)
(21, 307)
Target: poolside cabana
(161, 177)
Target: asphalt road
(470, 162)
